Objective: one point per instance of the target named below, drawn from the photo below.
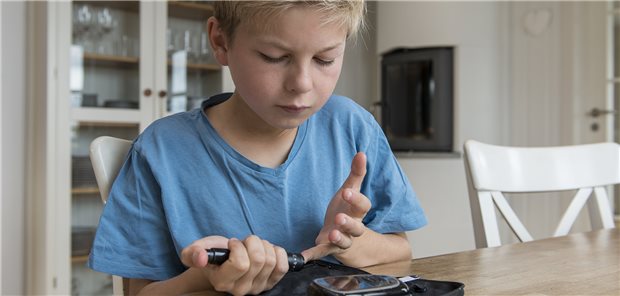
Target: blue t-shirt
(181, 181)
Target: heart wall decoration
(537, 21)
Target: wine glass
(204, 47)
(171, 41)
(105, 20)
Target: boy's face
(286, 73)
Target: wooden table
(578, 264)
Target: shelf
(190, 10)
(614, 80)
(204, 67)
(110, 60)
(95, 116)
(207, 67)
(85, 190)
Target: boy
(261, 171)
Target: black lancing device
(217, 256)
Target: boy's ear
(218, 40)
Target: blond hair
(349, 14)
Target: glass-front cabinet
(130, 64)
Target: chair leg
(489, 220)
(601, 213)
(571, 213)
(117, 285)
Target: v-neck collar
(211, 135)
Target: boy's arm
(373, 248)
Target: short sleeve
(133, 239)
(395, 206)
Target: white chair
(107, 155)
(492, 170)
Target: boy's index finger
(357, 173)
(317, 252)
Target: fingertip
(341, 219)
(361, 154)
(334, 236)
(306, 255)
(310, 254)
(317, 252)
(358, 165)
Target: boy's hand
(253, 266)
(343, 219)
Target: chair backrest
(107, 155)
(492, 170)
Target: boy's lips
(293, 108)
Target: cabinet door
(110, 96)
(192, 73)
(105, 62)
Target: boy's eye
(323, 62)
(272, 60)
(269, 59)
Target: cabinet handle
(162, 93)
(148, 92)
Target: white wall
(474, 29)
(13, 133)
(442, 190)
(359, 77)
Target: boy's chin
(289, 124)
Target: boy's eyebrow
(332, 47)
(281, 46)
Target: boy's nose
(299, 79)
